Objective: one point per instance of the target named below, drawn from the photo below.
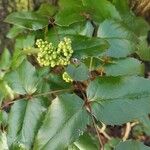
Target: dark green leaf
(128, 66)
(84, 46)
(23, 80)
(117, 100)
(111, 144)
(29, 20)
(120, 39)
(131, 145)
(100, 10)
(63, 124)
(74, 11)
(85, 142)
(24, 120)
(78, 73)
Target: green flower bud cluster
(64, 51)
(66, 77)
(48, 55)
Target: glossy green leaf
(100, 10)
(119, 38)
(23, 80)
(128, 66)
(56, 33)
(78, 73)
(84, 46)
(29, 20)
(65, 121)
(24, 121)
(74, 11)
(111, 144)
(3, 141)
(117, 100)
(131, 145)
(85, 142)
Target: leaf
(57, 33)
(5, 60)
(84, 46)
(131, 145)
(117, 100)
(111, 144)
(14, 31)
(74, 11)
(130, 19)
(64, 122)
(127, 66)
(78, 73)
(23, 80)
(143, 49)
(28, 20)
(122, 6)
(3, 141)
(85, 142)
(24, 121)
(25, 41)
(118, 37)
(47, 10)
(100, 10)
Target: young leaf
(23, 80)
(117, 100)
(131, 145)
(24, 120)
(29, 20)
(64, 123)
(118, 37)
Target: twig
(97, 131)
(128, 130)
(102, 131)
(33, 96)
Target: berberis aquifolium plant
(75, 74)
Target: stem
(128, 130)
(102, 131)
(91, 61)
(97, 131)
(33, 96)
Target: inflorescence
(66, 77)
(48, 55)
